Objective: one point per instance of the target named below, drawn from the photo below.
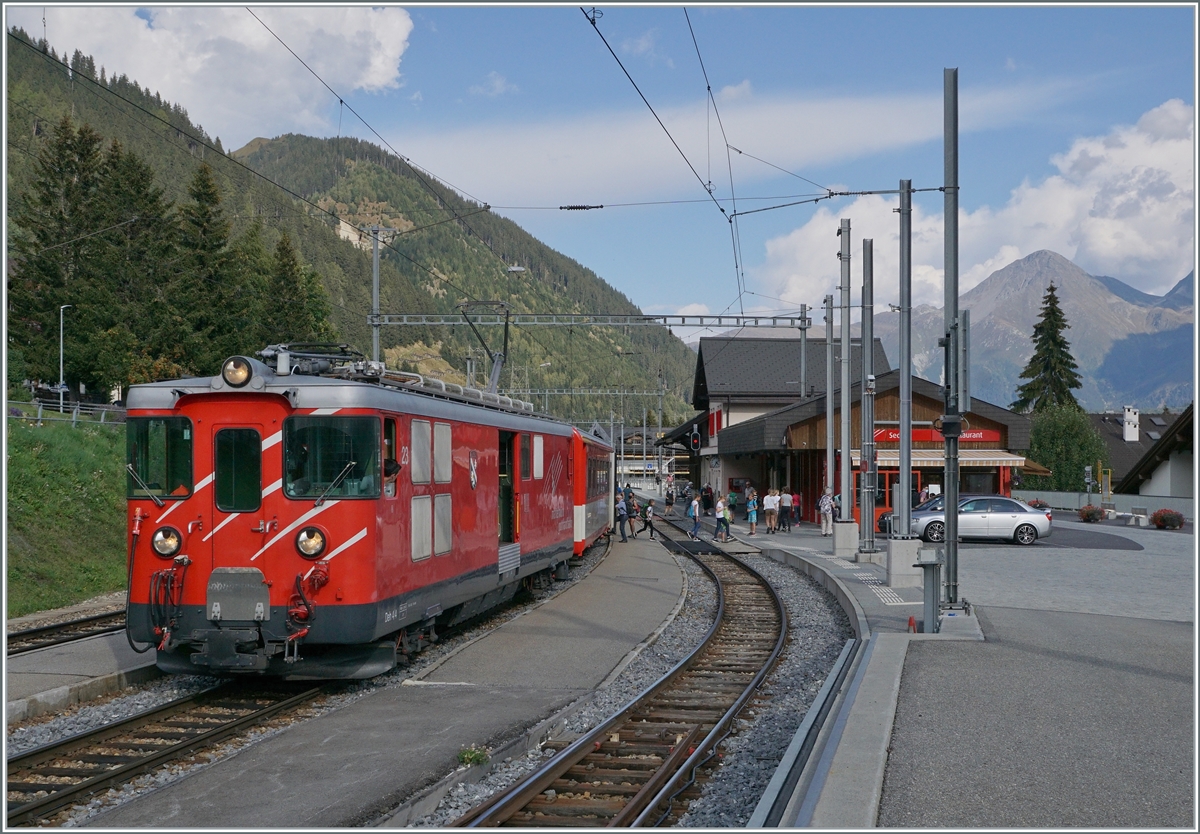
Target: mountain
(448, 249)
(1132, 348)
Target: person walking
(785, 511)
(771, 509)
(694, 514)
(648, 518)
(752, 511)
(670, 502)
(825, 507)
(622, 516)
(731, 503)
(796, 506)
(635, 512)
(706, 497)
(722, 532)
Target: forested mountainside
(313, 194)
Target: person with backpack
(622, 516)
(635, 511)
(647, 516)
(826, 506)
(694, 514)
(785, 510)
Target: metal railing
(90, 414)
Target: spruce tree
(1051, 370)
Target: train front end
(251, 510)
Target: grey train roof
(305, 391)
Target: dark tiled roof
(761, 369)
(765, 433)
(1176, 437)
(1123, 454)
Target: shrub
(1168, 519)
(473, 756)
(1090, 513)
(1038, 503)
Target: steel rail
(75, 745)
(47, 632)
(687, 751)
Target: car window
(979, 505)
(1003, 505)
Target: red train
(313, 515)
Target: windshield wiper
(345, 471)
(158, 502)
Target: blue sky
(1077, 126)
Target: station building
(785, 446)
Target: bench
(1140, 517)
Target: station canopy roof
(890, 458)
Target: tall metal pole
(645, 419)
(867, 466)
(62, 383)
(828, 393)
(846, 475)
(375, 293)
(952, 420)
(803, 351)
(903, 508)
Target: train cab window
(537, 456)
(335, 457)
(525, 462)
(237, 470)
(160, 451)
(419, 462)
(443, 462)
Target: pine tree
(1051, 370)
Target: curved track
(43, 781)
(641, 766)
(32, 639)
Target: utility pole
(845, 475)
(375, 230)
(902, 516)
(62, 384)
(828, 393)
(952, 420)
(803, 326)
(867, 464)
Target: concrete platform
(350, 766)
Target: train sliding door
(507, 494)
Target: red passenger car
(315, 516)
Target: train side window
(525, 467)
(389, 454)
(237, 474)
(537, 456)
(421, 518)
(421, 437)
(443, 523)
(442, 459)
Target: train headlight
(236, 371)
(166, 542)
(310, 542)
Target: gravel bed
(750, 754)
(80, 718)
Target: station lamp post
(62, 385)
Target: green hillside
(450, 249)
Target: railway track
(643, 765)
(31, 639)
(47, 779)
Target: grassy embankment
(66, 514)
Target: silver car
(986, 517)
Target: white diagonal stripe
(203, 483)
(272, 440)
(313, 512)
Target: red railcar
(320, 517)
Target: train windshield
(324, 452)
(160, 451)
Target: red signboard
(934, 436)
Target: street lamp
(62, 385)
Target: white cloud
(733, 92)
(234, 78)
(495, 85)
(1122, 204)
(646, 46)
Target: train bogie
(313, 526)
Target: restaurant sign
(892, 435)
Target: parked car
(983, 517)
